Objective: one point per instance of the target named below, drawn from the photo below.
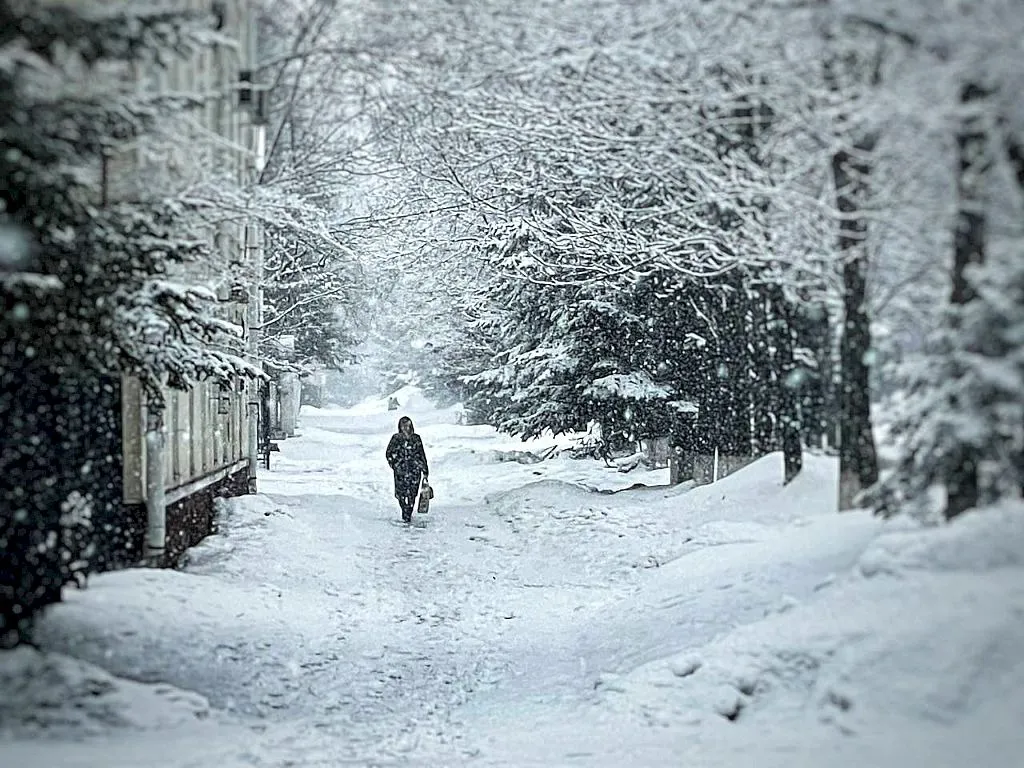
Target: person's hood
(404, 420)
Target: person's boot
(406, 516)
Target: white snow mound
(54, 696)
(411, 399)
(981, 540)
(538, 497)
(756, 493)
(936, 647)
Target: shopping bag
(425, 495)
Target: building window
(220, 13)
(245, 90)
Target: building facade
(93, 477)
(203, 443)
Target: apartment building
(207, 440)
(203, 443)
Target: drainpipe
(254, 434)
(156, 497)
(252, 316)
(254, 256)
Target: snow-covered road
(323, 632)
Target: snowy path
(323, 632)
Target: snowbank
(459, 458)
(756, 493)
(530, 620)
(919, 646)
(53, 696)
(982, 540)
(372, 417)
(782, 629)
(537, 496)
(408, 397)
(412, 402)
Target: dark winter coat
(406, 457)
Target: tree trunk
(731, 376)
(969, 249)
(1015, 154)
(789, 416)
(787, 387)
(858, 462)
(763, 397)
(813, 334)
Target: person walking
(408, 461)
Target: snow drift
(53, 696)
(915, 655)
(530, 620)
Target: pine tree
(91, 286)
(966, 399)
(964, 428)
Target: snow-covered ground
(540, 615)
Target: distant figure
(392, 403)
(406, 457)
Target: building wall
(208, 434)
(72, 458)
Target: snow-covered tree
(97, 285)
(92, 284)
(784, 164)
(608, 162)
(316, 94)
(819, 131)
(310, 284)
(963, 427)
